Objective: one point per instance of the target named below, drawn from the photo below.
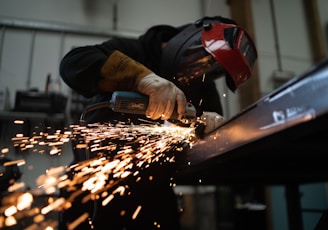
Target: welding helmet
(210, 48)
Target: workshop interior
(264, 168)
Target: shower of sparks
(114, 153)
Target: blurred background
(291, 37)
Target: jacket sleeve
(100, 68)
(80, 69)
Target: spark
(16, 186)
(10, 221)
(10, 210)
(24, 201)
(38, 218)
(20, 122)
(107, 199)
(116, 153)
(11, 163)
(4, 150)
(78, 221)
(53, 206)
(136, 212)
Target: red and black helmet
(210, 48)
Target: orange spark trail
(117, 153)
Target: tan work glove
(212, 121)
(121, 72)
(163, 96)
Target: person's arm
(93, 69)
(80, 69)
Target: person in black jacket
(172, 66)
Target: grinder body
(136, 103)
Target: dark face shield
(195, 63)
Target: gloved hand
(163, 96)
(212, 121)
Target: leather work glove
(163, 97)
(121, 72)
(208, 122)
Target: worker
(172, 66)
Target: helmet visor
(196, 62)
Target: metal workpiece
(274, 139)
